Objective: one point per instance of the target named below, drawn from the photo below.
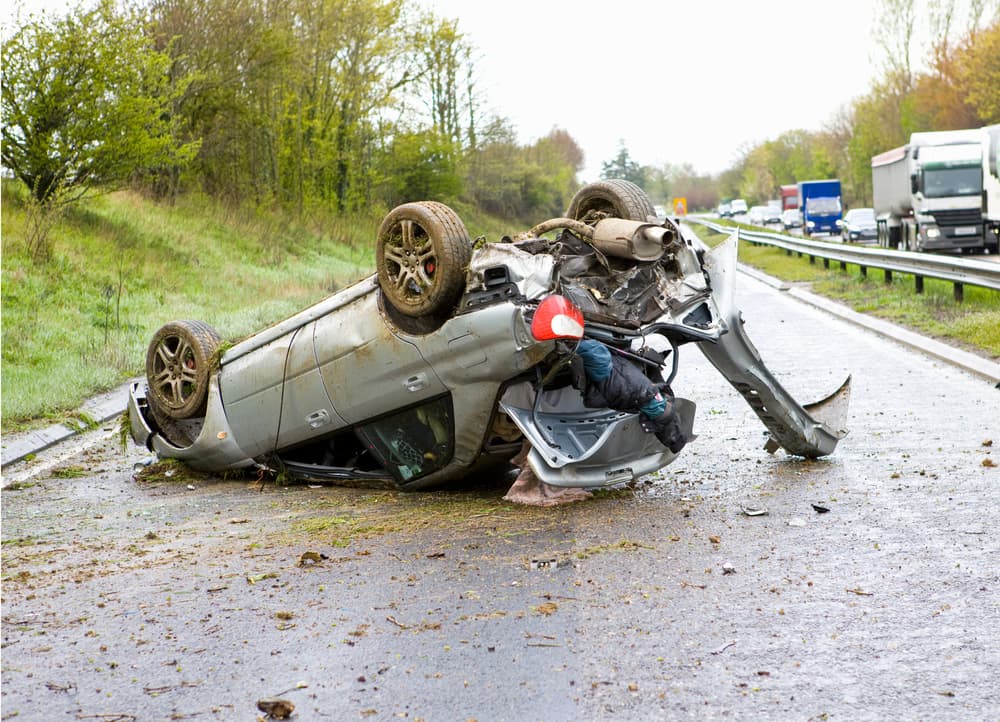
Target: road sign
(680, 206)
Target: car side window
(414, 442)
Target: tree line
(350, 104)
(293, 103)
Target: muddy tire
(610, 199)
(178, 368)
(422, 254)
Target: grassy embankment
(122, 266)
(973, 325)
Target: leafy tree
(446, 83)
(979, 73)
(86, 104)
(420, 166)
(622, 166)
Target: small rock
(728, 568)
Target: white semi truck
(991, 186)
(928, 193)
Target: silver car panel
(809, 431)
(572, 445)
(214, 447)
(368, 368)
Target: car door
(367, 368)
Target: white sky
(677, 82)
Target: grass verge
(122, 266)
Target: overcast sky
(678, 82)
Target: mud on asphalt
(163, 597)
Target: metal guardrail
(959, 271)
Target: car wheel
(611, 198)
(178, 367)
(422, 254)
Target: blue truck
(821, 206)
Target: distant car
(724, 210)
(791, 218)
(738, 207)
(772, 216)
(755, 215)
(858, 226)
(441, 364)
(660, 211)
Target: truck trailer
(928, 193)
(991, 186)
(821, 206)
(789, 197)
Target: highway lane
(177, 597)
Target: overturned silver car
(449, 358)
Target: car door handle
(318, 418)
(416, 382)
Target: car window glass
(414, 442)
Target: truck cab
(928, 194)
(821, 206)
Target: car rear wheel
(178, 367)
(422, 254)
(614, 198)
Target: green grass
(123, 266)
(973, 324)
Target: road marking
(62, 452)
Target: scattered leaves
(311, 557)
(860, 592)
(275, 707)
(261, 577)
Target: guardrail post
(919, 284)
(888, 277)
(826, 263)
(864, 271)
(959, 292)
(843, 265)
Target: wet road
(191, 598)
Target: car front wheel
(422, 253)
(178, 367)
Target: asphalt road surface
(174, 597)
